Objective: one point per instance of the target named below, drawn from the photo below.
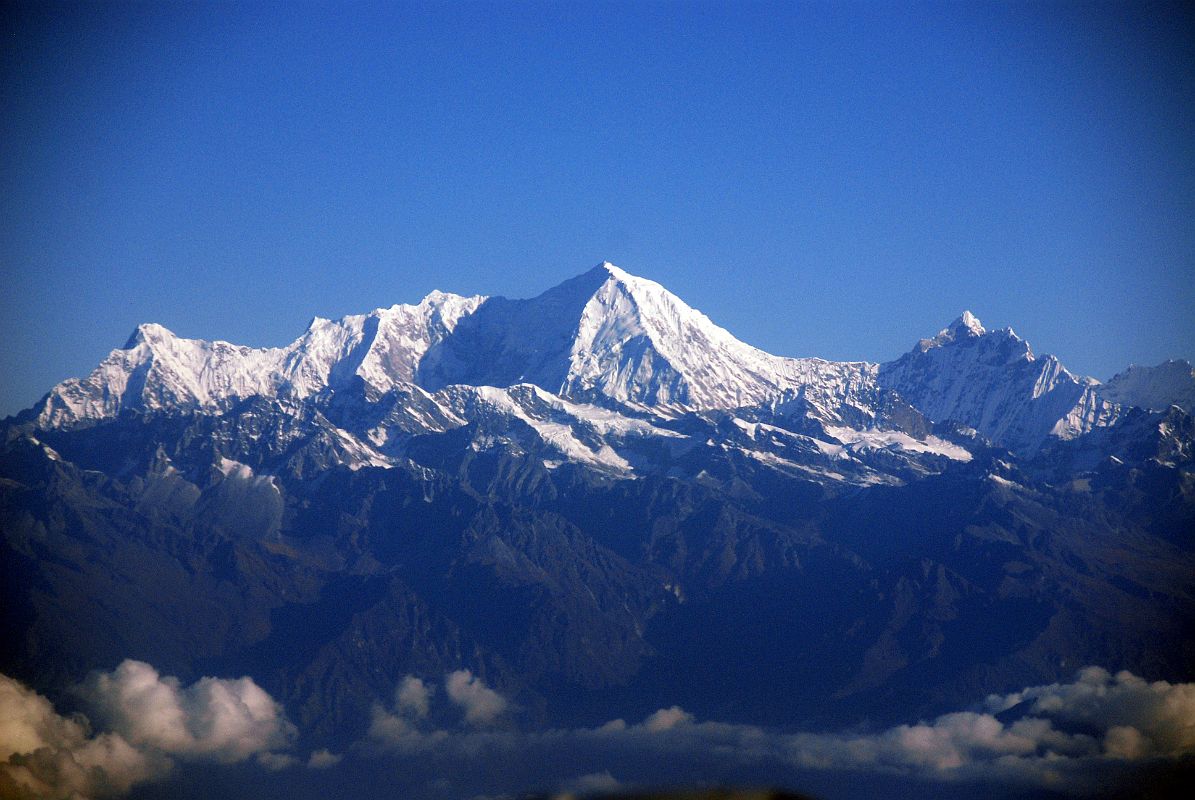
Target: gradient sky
(822, 179)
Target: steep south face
(639, 343)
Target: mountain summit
(605, 334)
(610, 338)
(609, 334)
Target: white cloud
(592, 783)
(482, 705)
(404, 728)
(413, 697)
(28, 721)
(398, 728)
(150, 719)
(393, 731)
(51, 756)
(667, 719)
(222, 720)
(1054, 734)
(1139, 718)
(322, 759)
(276, 762)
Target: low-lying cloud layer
(456, 736)
(149, 721)
(1070, 737)
(1043, 733)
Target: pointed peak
(605, 270)
(148, 333)
(608, 270)
(594, 279)
(433, 297)
(615, 271)
(967, 324)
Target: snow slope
(156, 369)
(1171, 383)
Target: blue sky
(833, 179)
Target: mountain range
(597, 498)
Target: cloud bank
(1070, 737)
(1053, 735)
(456, 735)
(149, 721)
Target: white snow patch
(1000, 481)
(877, 440)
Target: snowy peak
(638, 343)
(967, 325)
(158, 370)
(992, 382)
(611, 339)
(998, 346)
(1171, 383)
(609, 335)
(383, 347)
(964, 327)
(148, 333)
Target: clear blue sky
(822, 179)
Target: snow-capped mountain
(611, 335)
(1171, 383)
(157, 370)
(992, 382)
(603, 335)
(608, 339)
